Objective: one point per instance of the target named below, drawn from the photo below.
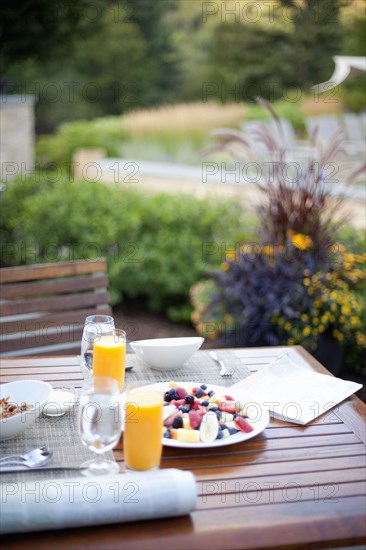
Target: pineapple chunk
(185, 436)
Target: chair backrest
(43, 306)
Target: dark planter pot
(330, 353)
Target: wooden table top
(290, 487)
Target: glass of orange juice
(109, 355)
(142, 436)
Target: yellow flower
(302, 242)
(307, 282)
(268, 250)
(304, 317)
(346, 310)
(355, 322)
(306, 331)
(225, 266)
(230, 255)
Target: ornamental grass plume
(298, 190)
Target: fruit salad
(198, 414)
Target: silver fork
(225, 371)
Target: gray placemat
(199, 368)
(58, 434)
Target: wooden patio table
(290, 487)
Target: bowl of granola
(21, 403)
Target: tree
(316, 37)
(249, 60)
(41, 30)
(149, 16)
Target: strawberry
(228, 406)
(242, 424)
(181, 392)
(229, 398)
(195, 419)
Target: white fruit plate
(259, 416)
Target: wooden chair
(43, 306)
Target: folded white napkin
(293, 393)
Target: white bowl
(33, 392)
(167, 353)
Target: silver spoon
(38, 451)
(30, 462)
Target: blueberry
(235, 415)
(171, 391)
(178, 422)
(223, 426)
(167, 397)
(167, 435)
(211, 393)
(219, 435)
(233, 431)
(203, 387)
(189, 399)
(199, 393)
(205, 403)
(218, 414)
(213, 407)
(183, 408)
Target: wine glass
(100, 423)
(94, 327)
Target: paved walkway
(211, 181)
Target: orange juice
(109, 358)
(143, 430)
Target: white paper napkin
(293, 393)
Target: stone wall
(16, 135)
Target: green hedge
(156, 246)
(107, 133)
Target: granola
(10, 409)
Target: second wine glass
(100, 424)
